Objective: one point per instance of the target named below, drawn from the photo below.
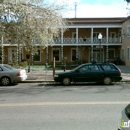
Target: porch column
(107, 34)
(91, 53)
(77, 53)
(107, 54)
(2, 48)
(77, 35)
(91, 35)
(47, 54)
(62, 49)
(62, 54)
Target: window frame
(128, 53)
(128, 30)
(109, 53)
(123, 54)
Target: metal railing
(87, 41)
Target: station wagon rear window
(109, 67)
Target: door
(81, 74)
(12, 53)
(96, 73)
(98, 56)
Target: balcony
(87, 41)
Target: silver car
(9, 75)
(124, 124)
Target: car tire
(66, 81)
(5, 81)
(107, 80)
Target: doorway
(98, 55)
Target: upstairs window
(128, 31)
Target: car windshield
(76, 68)
(8, 67)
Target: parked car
(124, 123)
(90, 72)
(10, 74)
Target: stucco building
(80, 43)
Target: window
(73, 55)
(1, 69)
(95, 34)
(111, 54)
(56, 54)
(113, 34)
(128, 53)
(37, 56)
(108, 67)
(128, 31)
(94, 68)
(84, 69)
(73, 34)
(122, 54)
(123, 32)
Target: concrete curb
(53, 82)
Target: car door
(81, 74)
(96, 73)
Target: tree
(127, 1)
(30, 23)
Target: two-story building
(125, 50)
(80, 43)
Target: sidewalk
(47, 76)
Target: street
(39, 106)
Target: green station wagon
(90, 72)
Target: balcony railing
(84, 41)
(87, 41)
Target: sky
(96, 8)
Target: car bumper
(57, 79)
(117, 79)
(20, 79)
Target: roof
(83, 21)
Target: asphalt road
(55, 107)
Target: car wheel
(5, 81)
(66, 81)
(107, 80)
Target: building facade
(80, 42)
(125, 49)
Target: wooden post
(53, 66)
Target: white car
(10, 74)
(124, 124)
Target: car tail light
(119, 71)
(19, 74)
